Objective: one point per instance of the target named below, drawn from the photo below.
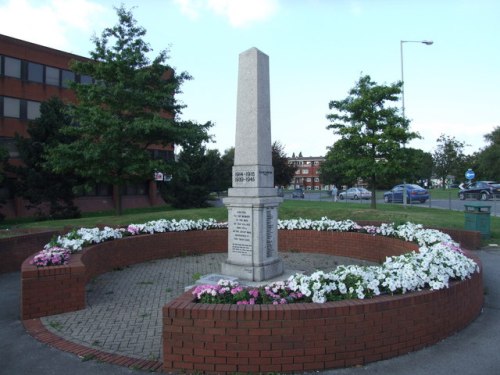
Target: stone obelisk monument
(252, 202)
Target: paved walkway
(123, 318)
(124, 307)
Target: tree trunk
(117, 197)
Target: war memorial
(224, 338)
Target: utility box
(477, 217)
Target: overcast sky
(318, 50)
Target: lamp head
(428, 42)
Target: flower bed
(438, 261)
(300, 337)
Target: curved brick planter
(57, 289)
(263, 338)
(305, 337)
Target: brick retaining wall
(212, 338)
(14, 250)
(57, 289)
(308, 337)
(266, 338)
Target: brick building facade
(307, 174)
(29, 75)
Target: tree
(487, 159)
(34, 181)
(335, 170)
(283, 172)
(448, 158)
(371, 133)
(418, 165)
(194, 177)
(227, 162)
(130, 106)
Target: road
(452, 203)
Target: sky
(318, 50)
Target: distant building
(307, 174)
(31, 74)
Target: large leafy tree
(283, 172)
(419, 165)
(226, 173)
(448, 158)
(335, 169)
(372, 133)
(34, 181)
(196, 174)
(130, 106)
(488, 158)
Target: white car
(356, 193)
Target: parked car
(482, 190)
(355, 193)
(414, 193)
(298, 193)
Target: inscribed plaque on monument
(241, 231)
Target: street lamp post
(426, 42)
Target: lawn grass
(289, 209)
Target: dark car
(298, 193)
(414, 193)
(482, 190)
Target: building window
(12, 67)
(305, 171)
(33, 110)
(67, 78)
(52, 76)
(104, 190)
(11, 107)
(165, 155)
(10, 145)
(135, 189)
(35, 72)
(86, 80)
(308, 179)
(316, 179)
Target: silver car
(356, 193)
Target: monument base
(252, 238)
(263, 272)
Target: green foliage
(194, 177)
(130, 106)
(448, 158)
(35, 182)
(227, 162)
(488, 158)
(283, 172)
(371, 135)
(418, 165)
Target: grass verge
(289, 209)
